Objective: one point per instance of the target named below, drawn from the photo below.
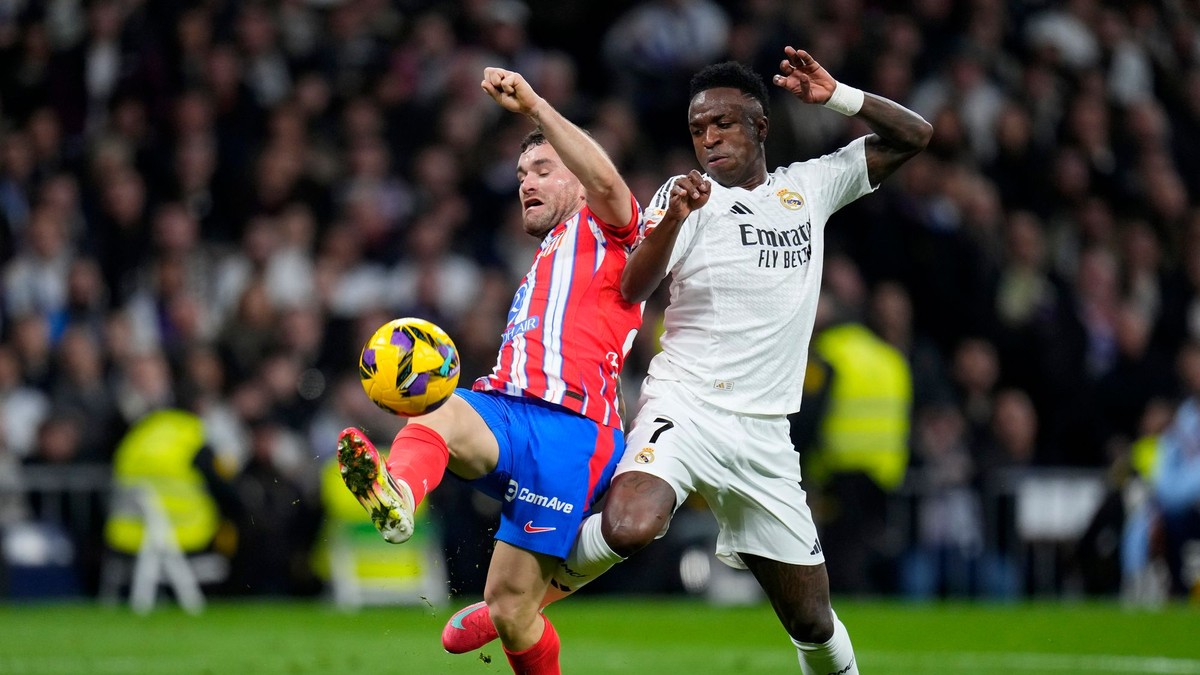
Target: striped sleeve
(657, 208)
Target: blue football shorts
(554, 464)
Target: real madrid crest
(790, 199)
(645, 456)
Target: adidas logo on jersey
(816, 548)
(740, 208)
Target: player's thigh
(517, 579)
(474, 450)
(662, 448)
(798, 593)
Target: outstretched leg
(516, 578)
(637, 510)
(800, 596)
(454, 436)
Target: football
(409, 367)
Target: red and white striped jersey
(568, 328)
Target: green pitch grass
(600, 636)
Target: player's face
(728, 130)
(549, 192)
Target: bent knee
(811, 626)
(626, 536)
(510, 615)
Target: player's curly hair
(735, 75)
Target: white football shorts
(743, 465)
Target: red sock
(419, 456)
(541, 658)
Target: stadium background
(211, 204)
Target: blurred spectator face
(194, 31)
(58, 439)
(1189, 367)
(462, 127)
(125, 197)
(437, 171)
(104, 21)
(224, 72)
(31, 338)
(844, 281)
(1141, 251)
(361, 120)
(1014, 424)
(1097, 280)
(1070, 175)
(556, 80)
(254, 308)
(976, 367)
(1026, 245)
(18, 156)
(10, 369)
(47, 234)
(891, 77)
(193, 114)
(256, 31)
(149, 375)
(195, 162)
(549, 192)
(312, 95)
(1133, 328)
(80, 357)
(1014, 129)
(60, 193)
(939, 431)
(204, 370)
(85, 284)
(892, 313)
(45, 133)
(175, 232)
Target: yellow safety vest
(157, 453)
(866, 426)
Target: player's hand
(800, 74)
(690, 193)
(510, 90)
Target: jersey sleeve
(653, 215)
(838, 178)
(626, 234)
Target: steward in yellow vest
(866, 424)
(161, 452)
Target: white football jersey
(745, 277)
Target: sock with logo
(590, 557)
(541, 658)
(419, 456)
(835, 656)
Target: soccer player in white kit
(744, 248)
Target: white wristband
(846, 99)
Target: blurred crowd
(211, 204)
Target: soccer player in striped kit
(542, 433)
(744, 248)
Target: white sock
(835, 656)
(590, 557)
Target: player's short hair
(735, 75)
(535, 137)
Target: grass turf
(600, 636)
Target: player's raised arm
(648, 263)
(899, 132)
(607, 194)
